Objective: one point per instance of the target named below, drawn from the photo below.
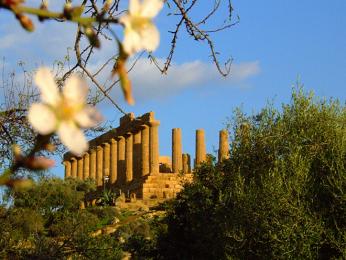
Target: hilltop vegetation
(280, 195)
(46, 222)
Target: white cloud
(47, 43)
(148, 82)
(51, 39)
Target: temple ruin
(127, 159)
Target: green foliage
(281, 195)
(140, 237)
(108, 198)
(52, 194)
(105, 214)
(46, 222)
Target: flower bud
(93, 39)
(12, 3)
(68, 10)
(50, 147)
(107, 5)
(25, 22)
(43, 6)
(38, 163)
(19, 183)
(17, 151)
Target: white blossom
(63, 112)
(140, 32)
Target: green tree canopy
(281, 195)
(46, 222)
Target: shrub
(281, 195)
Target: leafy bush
(107, 198)
(105, 214)
(45, 222)
(281, 195)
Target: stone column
(67, 169)
(200, 147)
(137, 155)
(121, 160)
(106, 159)
(145, 169)
(177, 164)
(86, 164)
(113, 161)
(186, 163)
(92, 165)
(154, 147)
(74, 167)
(99, 165)
(129, 157)
(223, 145)
(80, 168)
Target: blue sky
(275, 44)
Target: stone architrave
(200, 147)
(223, 145)
(129, 157)
(86, 163)
(154, 147)
(186, 163)
(80, 168)
(121, 160)
(74, 167)
(177, 163)
(145, 168)
(99, 165)
(114, 161)
(137, 155)
(92, 165)
(67, 169)
(106, 159)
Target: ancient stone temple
(127, 159)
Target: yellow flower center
(67, 110)
(138, 22)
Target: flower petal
(132, 42)
(134, 6)
(75, 90)
(49, 91)
(125, 20)
(88, 117)
(150, 37)
(150, 8)
(73, 137)
(42, 118)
